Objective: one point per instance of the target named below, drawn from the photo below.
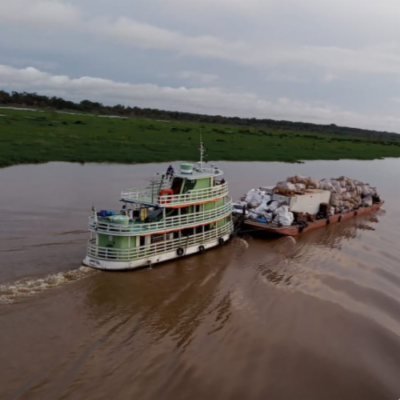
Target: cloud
(213, 101)
(375, 12)
(284, 77)
(39, 13)
(328, 78)
(44, 14)
(148, 36)
(378, 59)
(198, 77)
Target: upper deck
(187, 187)
(165, 224)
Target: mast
(201, 152)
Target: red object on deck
(165, 196)
(295, 230)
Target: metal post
(164, 217)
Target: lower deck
(155, 249)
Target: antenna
(201, 151)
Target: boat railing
(167, 224)
(108, 253)
(150, 195)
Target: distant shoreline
(28, 137)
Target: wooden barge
(296, 229)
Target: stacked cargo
(346, 194)
(264, 208)
(305, 199)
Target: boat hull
(111, 265)
(295, 230)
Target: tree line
(35, 100)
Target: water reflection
(169, 300)
(289, 260)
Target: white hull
(154, 259)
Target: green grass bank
(37, 137)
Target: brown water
(315, 317)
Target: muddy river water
(315, 317)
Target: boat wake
(11, 292)
(241, 242)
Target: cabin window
(196, 208)
(209, 227)
(142, 240)
(173, 212)
(187, 232)
(157, 238)
(190, 185)
(184, 210)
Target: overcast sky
(331, 61)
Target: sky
(331, 61)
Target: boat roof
(199, 173)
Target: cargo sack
(284, 216)
(313, 184)
(286, 186)
(367, 201)
(300, 187)
(252, 215)
(272, 207)
(249, 196)
(261, 208)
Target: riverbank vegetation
(42, 136)
(34, 100)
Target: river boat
(173, 217)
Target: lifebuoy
(180, 251)
(201, 249)
(220, 241)
(165, 196)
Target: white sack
(255, 201)
(300, 186)
(261, 208)
(366, 190)
(252, 215)
(250, 195)
(284, 216)
(273, 206)
(265, 198)
(367, 201)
